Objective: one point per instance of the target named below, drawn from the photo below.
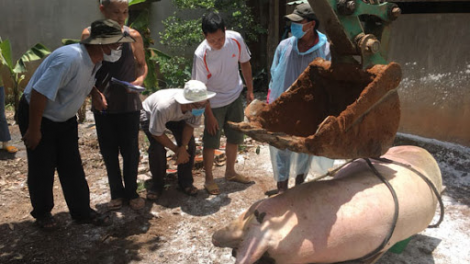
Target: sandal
(212, 188)
(239, 178)
(137, 203)
(47, 222)
(191, 190)
(153, 195)
(11, 149)
(271, 192)
(115, 204)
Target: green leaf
(155, 53)
(141, 23)
(5, 49)
(35, 53)
(70, 41)
(134, 2)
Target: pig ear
(252, 247)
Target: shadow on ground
(24, 242)
(201, 204)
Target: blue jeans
(4, 132)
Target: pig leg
(374, 258)
(252, 247)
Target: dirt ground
(178, 228)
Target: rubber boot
(282, 186)
(299, 179)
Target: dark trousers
(119, 133)
(58, 149)
(157, 157)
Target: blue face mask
(197, 112)
(296, 30)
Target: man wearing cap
(48, 124)
(291, 58)
(216, 63)
(180, 111)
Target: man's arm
(98, 100)
(247, 75)
(210, 121)
(33, 135)
(200, 73)
(139, 54)
(182, 155)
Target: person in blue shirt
(291, 58)
(47, 120)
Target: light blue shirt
(289, 63)
(65, 77)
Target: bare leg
(231, 151)
(208, 161)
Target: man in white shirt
(179, 110)
(47, 120)
(216, 63)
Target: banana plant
(17, 70)
(141, 24)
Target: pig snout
(215, 240)
(227, 237)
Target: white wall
(433, 51)
(27, 22)
(160, 11)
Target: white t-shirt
(219, 69)
(161, 107)
(65, 77)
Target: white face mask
(114, 56)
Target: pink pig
(342, 219)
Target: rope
(431, 185)
(395, 200)
(395, 214)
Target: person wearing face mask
(116, 110)
(180, 111)
(47, 120)
(291, 58)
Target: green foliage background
(183, 33)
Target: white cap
(194, 91)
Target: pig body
(341, 219)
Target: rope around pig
(430, 184)
(395, 198)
